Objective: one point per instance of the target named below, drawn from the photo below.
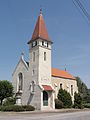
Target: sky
(67, 27)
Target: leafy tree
(6, 90)
(87, 98)
(65, 97)
(83, 90)
(77, 101)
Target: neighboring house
(35, 82)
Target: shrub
(28, 108)
(0, 108)
(65, 97)
(17, 108)
(12, 108)
(78, 101)
(9, 101)
(58, 104)
(87, 105)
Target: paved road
(84, 115)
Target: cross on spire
(40, 10)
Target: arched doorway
(45, 98)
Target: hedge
(87, 105)
(17, 108)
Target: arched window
(20, 81)
(45, 98)
(60, 85)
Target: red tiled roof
(47, 87)
(40, 30)
(62, 74)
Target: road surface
(84, 115)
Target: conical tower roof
(40, 30)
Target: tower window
(45, 43)
(33, 56)
(60, 85)
(42, 43)
(72, 90)
(34, 44)
(44, 56)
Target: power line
(79, 11)
(83, 9)
(80, 8)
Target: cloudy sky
(67, 27)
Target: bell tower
(40, 53)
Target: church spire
(40, 30)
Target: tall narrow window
(44, 56)
(33, 56)
(72, 90)
(42, 43)
(20, 81)
(33, 72)
(33, 86)
(47, 44)
(60, 85)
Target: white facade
(37, 74)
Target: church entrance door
(45, 98)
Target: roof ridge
(62, 73)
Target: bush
(65, 97)
(12, 108)
(87, 105)
(58, 104)
(0, 108)
(78, 101)
(17, 108)
(9, 101)
(28, 108)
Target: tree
(83, 90)
(6, 90)
(87, 98)
(77, 101)
(65, 97)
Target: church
(35, 82)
